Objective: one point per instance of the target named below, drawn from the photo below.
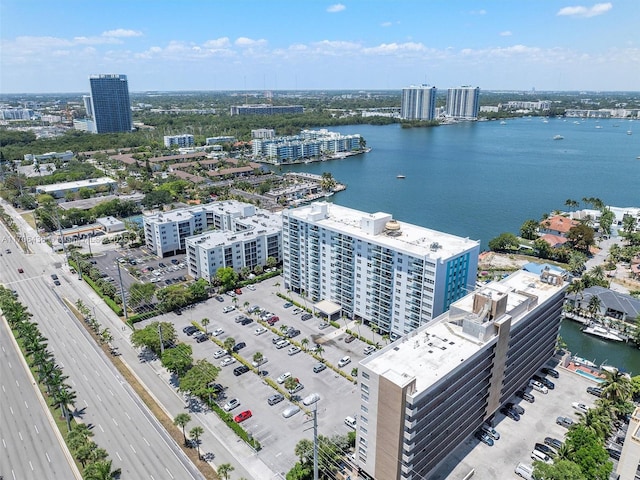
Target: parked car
(57, 283)
(242, 416)
(272, 320)
(239, 346)
(525, 396)
(227, 361)
(240, 370)
(174, 261)
(296, 389)
(219, 298)
(231, 404)
(162, 265)
(276, 338)
(261, 362)
(538, 386)
(290, 411)
(553, 442)
(54, 277)
(489, 430)
(541, 447)
(189, 330)
(251, 287)
(287, 305)
(369, 350)
(275, 399)
(282, 344)
(524, 470)
(324, 325)
(306, 316)
(228, 308)
(20, 270)
(344, 361)
(283, 377)
(551, 372)
(311, 399)
(201, 337)
(246, 321)
(484, 438)
(318, 367)
(217, 332)
(238, 291)
(516, 408)
(564, 422)
(293, 350)
(292, 332)
(296, 311)
(219, 354)
(613, 453)
(239, 318)
(259, 331)
(581, 407)
(538, 455)
(544, 381)
(349, 339)
(513, 415)
(595, 391)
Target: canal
(622, 355)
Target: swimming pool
(589, 376)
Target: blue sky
(54, 45)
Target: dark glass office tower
(110, 101)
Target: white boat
(603, 332)
(583, 361)
(400, 176)
(629, 132)
(558, 137)
(503, 122)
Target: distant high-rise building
(183, 141)
(86, 99)
(463, 103)
(110, 103)
(418, 103)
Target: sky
(49, 46)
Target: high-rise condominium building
(185, 140)
(418, 103)
(110, 103)
(393, 275)
(463, 103)
(424, 394)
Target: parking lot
(517, 439)
(278, 436)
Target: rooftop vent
(392, 228)
(435, 246)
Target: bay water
(480, 179)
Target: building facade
(463, 103)
(393, 275)
(418, 103)
(110, 103)
(629, 464)
(183, 141)
(59, 190)
(265, 109)
(424, 394)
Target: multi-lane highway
(134, 439)
(30, 448)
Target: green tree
(258, 357)
(101, 470)
(606, 220)
(227, 277)
(149, 336)
(559, 470)
(616, 386)
(141, 293)
(229, 343)
(571, 203)
(589, 453)
(304, 450)
(195, 433)
(205, 323)
(504, 242)
(582, 237)
(594, 305)
(224, 470)
(181, 420)
(197, 379)
(542, 248)
(529, 229)
(178, 360)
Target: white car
(228, 308)
(293, 350)
(538, 386)
(369, 350)
(219, 354)
(259, 331)
(251, 287)
(311, 399)
(283, 377)
(581, 407)
(227, 361)
(231, 404)
(296, 311)
(344, 361)
(217, 332)
(282, 343)
(261, 362)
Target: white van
(538, 455)
(350, 422)
(525, 471)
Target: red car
(242, 416)
(273, 320)
(238, 291)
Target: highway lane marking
(9, 363)
(36, 427)
(98, 397)
(26, 404)
(85, 403)
(111, 393)
(85, 377)
(4, 443)
(127, 415)
(3, 388)
(74, 382)
(118, 455)
(11, 409)
(47, 455)
(18, 384)
(146, 441)
(100, 427)
(20, 435)
(31, 465)
(169, 472)
(114, 421)
(134, 450)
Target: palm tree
(181, 420)
(205, 321)
(616, 386)
(319, 350)
(258, 357)
(571, 203)
(229, 343)
(594, 305)
(101, 470)
(592, 420)
(224, 470)
(65, 397)
(284, 328)
(374, 329)
(304, 342)
(196, 432)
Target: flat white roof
(218, 238)
(413, 239)
(92, 182)
(433, 350)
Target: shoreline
(336, 156)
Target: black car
(526, 396)
(240, 370)
(162, 265)
(292, 332)
(56, 282)
(174, 261)
(54, 277)
(201, 338)
(189, 330)
(239, 346)
(306, 316)
(216, 388)
(545, 449)
(595, 391)
(553, 442)
(551, 372)
(510, 413)
(545, 381)
(516, 408)
(219, 298)
(246, 321)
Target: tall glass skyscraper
(110, 103)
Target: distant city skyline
(52, 47)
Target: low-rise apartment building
(424, 394)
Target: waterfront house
(557, 225)
(613, 305)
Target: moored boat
(558, 137)
(400, 176)
(603, 332)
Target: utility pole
(315, 442)
(122, 294)
(161, 342)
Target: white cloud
(248, 42)
(582, 11)
(478, 12)
(395, 49)
(222, 42)
(386, 24)
(506, 33)
(338, 7)
(121, 33)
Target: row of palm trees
(50, 375)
